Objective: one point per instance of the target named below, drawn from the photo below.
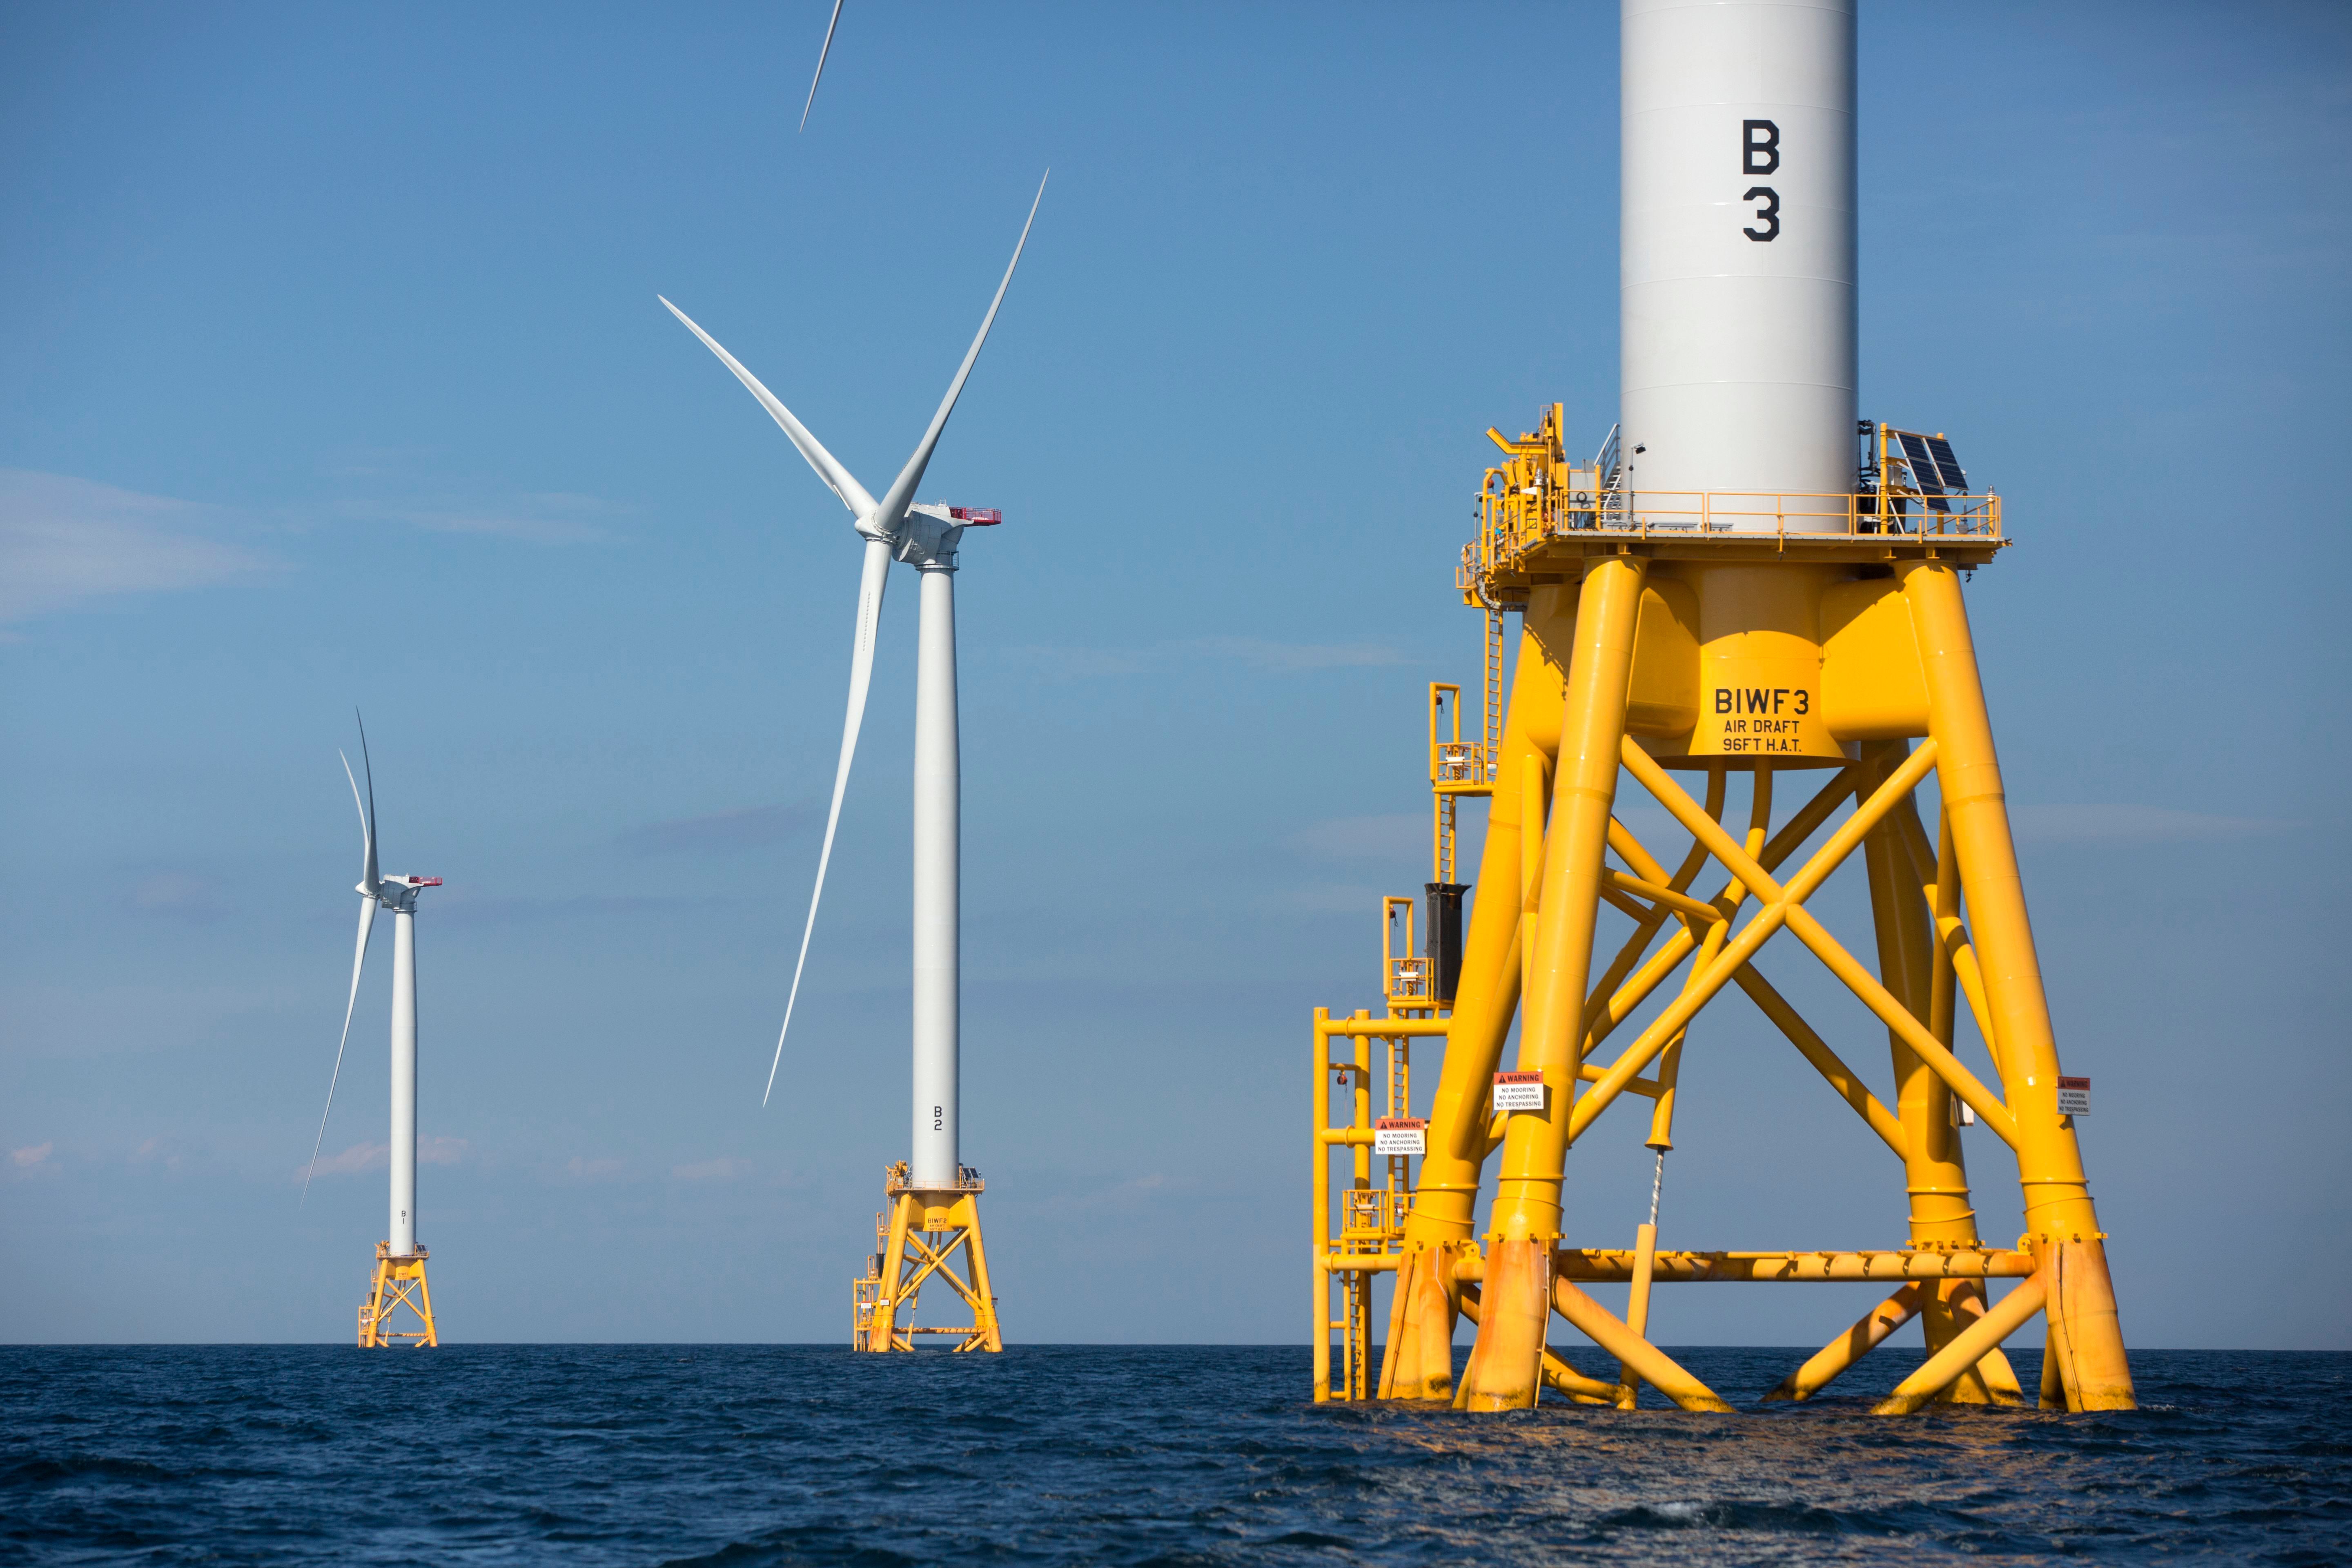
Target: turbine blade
(902, 488)
(368, 878)
(828, 467)
(359, 958)
(829, 27)
(876, 577)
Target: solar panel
(1923, 469)
(1953, 479)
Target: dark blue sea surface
(753, 1455)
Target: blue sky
(331, 374)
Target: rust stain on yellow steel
(1513, 1312)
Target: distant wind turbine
(400, 1262)
(925, 537)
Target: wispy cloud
(363, 1157)
(545, 517)
(411, 485)
(358, 1157)
(712, 1170)
(583, 1169)
(26, 1159)
(65, 541)
(159, 1151)
(720, 831)
(1083, 663)
(1254, 653)
(2132, 824)
(1148, 1190)
(176, 895)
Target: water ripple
(798, 1455)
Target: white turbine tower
(932, 1196)
(399, 1278)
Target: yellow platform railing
(1509, 523)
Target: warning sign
(2073, 1097)
(1400, 1135)
(1518, 1091)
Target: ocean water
(1174, 1455)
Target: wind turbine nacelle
(928, 538)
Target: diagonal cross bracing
(1809, 1044)
(1816, 1050)
(1780, 906)
(933, 1262)
(1786, 906)
(1606, 1008)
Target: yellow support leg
(1445, 1189)
(1916, 972)
(1505, 1361)
(2060, 1223)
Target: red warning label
(1518, 1091)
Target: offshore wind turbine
(933, 1195)
(399, 1280)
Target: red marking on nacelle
(975, 517)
